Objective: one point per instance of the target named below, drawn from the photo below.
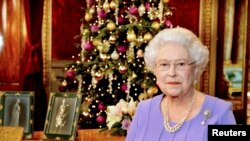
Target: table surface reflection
(84, 135)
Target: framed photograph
(62, 116)
(17, 110)
(233, 75)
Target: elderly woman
(177, 58)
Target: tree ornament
(70, 74)
(94, 28)
(168, 13)
(88, 16)
(141, 9)
(101, 119)
(133, 75)
(156, 25)
(112, 39)
(147, 6)
(121, 20)
(104, 57)
(92, 10)
(101, 106)
(111, 26)
(140, 40)
(133, 10)
(131, 36)
(88, 46)
(98, 75)
(86, 31)
(90, 2)
(113, 5)
(168, 24)
(115, 55)
(124, 87)
(106, 46)
(102, 14)
(106, 6)
(140, 53)
(123, 69)
(122, 49)
(147, 37)
(63, 86)
(96, 41)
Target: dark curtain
(32, 60)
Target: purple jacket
(147, 123)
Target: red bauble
(100, 119)
(62, 88)
(121, 20)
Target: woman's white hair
(182, 36)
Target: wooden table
(84, 135)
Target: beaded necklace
(178, 125)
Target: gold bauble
(123, 69)
(131, 36)
(111, 26)
(147, 37)
(96, 42)
(98, 75)
(88, 17)
(92, 10)
(112, 39)
(112, 5)
(86, 31)
(104, 57)
(155, 25)
(106, 6)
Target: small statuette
(207, 114)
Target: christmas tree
(114, 34)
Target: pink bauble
(121, 20)
(133, 10)
(102, 14)
(70, 74)
(90, 2)
(88, 46)
(100, 119)
(124, 87)
(122, 49)
(168, 23)
(101, 107)
(147, 6)
(94, 28)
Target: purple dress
(147, 123)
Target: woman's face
(175, 70)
